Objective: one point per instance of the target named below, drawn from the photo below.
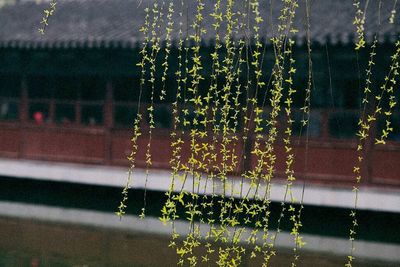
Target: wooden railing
(100, 131)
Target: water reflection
(35, 243)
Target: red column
(23, 116)
(108, 122)
(78, 113)
(24, 106)
(108, 106)
(325, 124)
(52, 111)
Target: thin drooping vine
(145, 30)
(359, 22)
(47, 13)
(228, 207)
(157, 12)
(365, 125)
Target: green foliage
(213, 138)
(47, 13)
(237, 71)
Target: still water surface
(34, 243)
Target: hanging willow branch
(207, 122)
(47, 13)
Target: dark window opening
(162, 117)
(65, 113)
(126, 89)
(394, 124)
(346, 94)
(92, 88)
(66, 88)
(313, 127)
(124, 115)
(10, 86)
(92, 114)
(343, 124)
(41, 87)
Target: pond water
(37, 243)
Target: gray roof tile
(97, 22)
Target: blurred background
(67, 104)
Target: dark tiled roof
(117, 22)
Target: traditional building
(70, 95)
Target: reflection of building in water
(81, 76)
(98, 240)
